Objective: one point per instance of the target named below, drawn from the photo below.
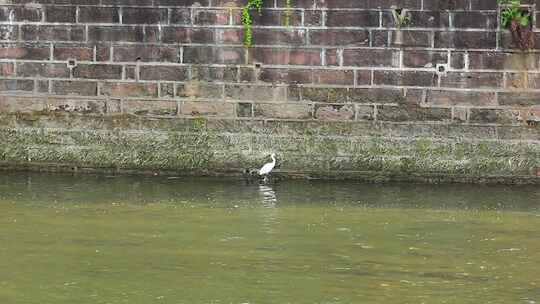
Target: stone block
(256, 93)
(150, 107)
(75, 105)
(202, 108)
(339, 112)
(283, 111)
(129, 89)
(412, 113)
(85, 88)
(200, 90)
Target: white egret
(267, 168)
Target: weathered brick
(405, 78)
(222, 109)
(447, 5)
(371, 58)
(472, 80)
(129, 89)
(96, 14)
(98, 71)
(503, 61)
(200, 90)
(19, 104)
(460, 98)
(405, 38)
(187, 35)
(173, 73)
(377, 95)
(115, 34)
(73, 52)
(85, 88)
(339, 112)
(211, 17)
(7, 69)
(150, 107)
(519, 98)
(209, 74)
(279, 37)
(523, 80)
(498, 116)
(425, 59)
(16, 85)
(244, 109)
(61, 14)
(52, 33)
(479, 20)
(145, 54)
(339, 37)
(180, 16)
(21, 13)
(25, 52)
(295, 56)
(308, 76)
(283, 111)
(352, 18)
(229, 55)
(412, 113)
(70, 105)
(255, 92)
(34, 69)
(139, 15)
(330, 95)
(466, 39)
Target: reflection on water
(268, 195)
(95, 239)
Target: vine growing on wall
(247, 20)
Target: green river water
(98, 239)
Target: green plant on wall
(247, 20)
(518, 20)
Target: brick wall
(323, 80)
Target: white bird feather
(267, 168)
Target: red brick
(339, 37)
(145, 54)
(7, 69)
(52, 33)
(27, 52)
(295, 56)
(72, 52)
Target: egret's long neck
(273, 159)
